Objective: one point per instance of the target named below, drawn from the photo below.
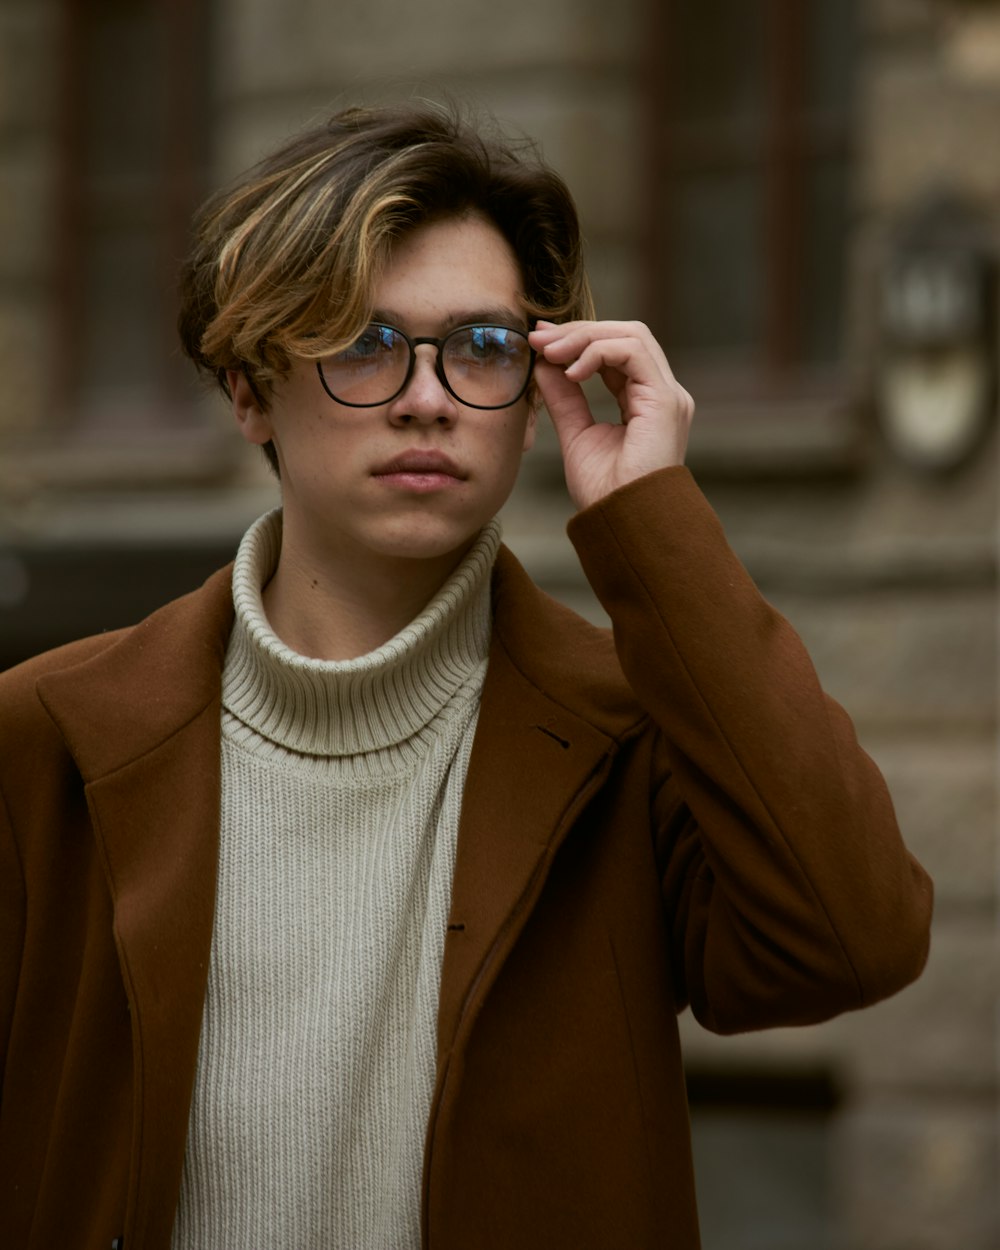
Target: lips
(429, 463)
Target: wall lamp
(936, 374)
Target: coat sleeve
(790, 894)
(12, 917)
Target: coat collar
(129, 696)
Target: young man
(350, 901)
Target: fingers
(628, 358)
(583, 347)
(655, 411)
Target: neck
(344, 611)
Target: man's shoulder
(18, 685)
(27, 672)
(204, 612)
(31, 746)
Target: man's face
(419, 476)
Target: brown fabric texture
(674, 816)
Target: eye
(492, 345)
(374, 341)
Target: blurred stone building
(803, 198)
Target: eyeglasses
(483, 366)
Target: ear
(251, 417)
(531, 426)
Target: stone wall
(27, 209)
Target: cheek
(319, 438)
(516, 434)
(505, 445)
(505, 453)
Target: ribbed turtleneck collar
(346, 707)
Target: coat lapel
(544, 741)
(141, 719)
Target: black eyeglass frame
(439, 343)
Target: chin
(426, 543)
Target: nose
(425, 397)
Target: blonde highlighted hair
(285, 262)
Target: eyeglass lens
(485, 366)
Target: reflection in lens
(371, 370)
(486, 365)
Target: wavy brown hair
(285, 261)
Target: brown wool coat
(703, 830)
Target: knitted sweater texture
(341, 791)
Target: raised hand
(656, 412)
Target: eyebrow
(494, 314)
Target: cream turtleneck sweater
(341, 790)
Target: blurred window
(132, 167)
(750, 130)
